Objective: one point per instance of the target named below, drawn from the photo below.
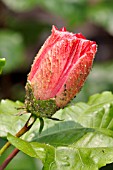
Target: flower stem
(4, 148)
(26, 127)
(9, 158)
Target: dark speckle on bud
(64, 86)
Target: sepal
(39, 108)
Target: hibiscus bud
(59, 71)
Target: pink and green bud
(61, 67)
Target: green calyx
(39, 108)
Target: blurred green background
(24, 26)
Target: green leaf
(2, 63)
(37, 150)
(83, 140)
(10, 121)
(12, 49)
(65, 158)
(21, 161)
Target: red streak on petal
(49, 43)
(41, 54)
(79, 35)
(63, 29)
(72, 57)
(75, 80)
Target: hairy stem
(9, 158)
(26, 127)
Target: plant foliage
(82, 140)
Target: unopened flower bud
(58, 71)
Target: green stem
(26, 127)
(4, 148)
(41, 124)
